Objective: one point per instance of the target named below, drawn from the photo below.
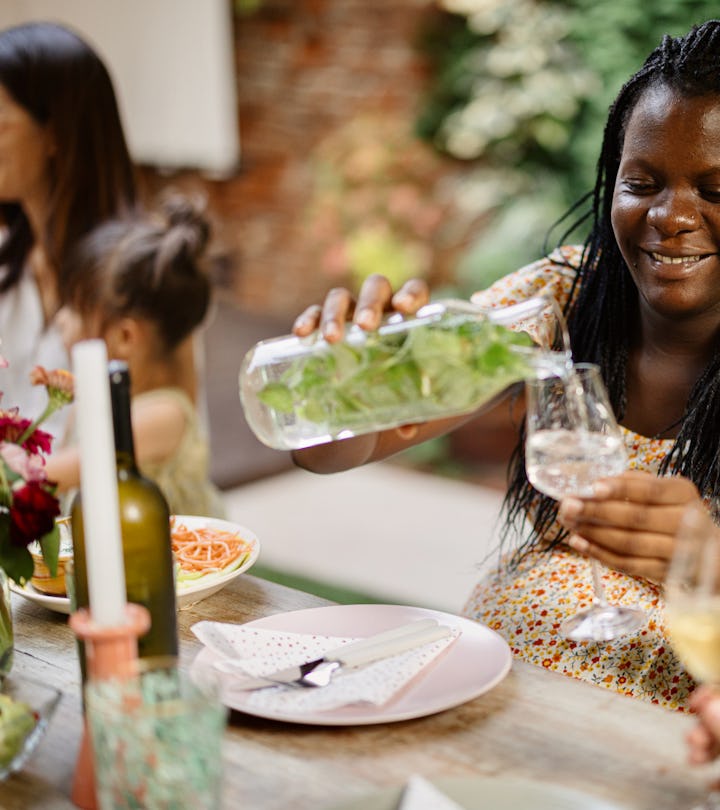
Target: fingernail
(570, 507)
(578, 543)
(365, 317)
(602, 489)
(331, 330)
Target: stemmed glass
(692, 604)
(572, 441)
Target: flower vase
(6, 627)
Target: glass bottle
(145, 531)
(448, 359)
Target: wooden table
(535, 724)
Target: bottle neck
(122, 421)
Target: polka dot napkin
(260, 652)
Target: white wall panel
(173, 67)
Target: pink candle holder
(110, 652)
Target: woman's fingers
(631, 523)
(704, 739)
(374, 299)
(650, 566)
(633, 544)
(646, 488)
(411, 296)
(578, 515)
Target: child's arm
(158, 428)
(63, 468)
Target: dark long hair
(604, 299)
(62, 83)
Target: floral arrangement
(28, 504)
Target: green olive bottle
(145, 531)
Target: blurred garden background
(431, 138)
(333, 139)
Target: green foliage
(522, 88)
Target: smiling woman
(642, 300)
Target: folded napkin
(262, 652)
(419, 794)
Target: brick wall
(304, 69)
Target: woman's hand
(631, 522)
(375, 298)
(703, 740)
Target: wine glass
(573, 440)
(692, 604)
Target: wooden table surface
(535, 724)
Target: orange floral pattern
(527, 604)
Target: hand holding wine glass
(572, 441)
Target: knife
(320, 671)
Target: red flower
(13, 426)
(32, 514)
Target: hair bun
(187, 230)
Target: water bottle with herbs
(448, 359)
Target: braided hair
(603, 296)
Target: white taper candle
(98, 484)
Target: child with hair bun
(141, 285)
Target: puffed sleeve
(551, 276)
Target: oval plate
(186, 594)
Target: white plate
(186, 594)
(493, 793)
(474, 664)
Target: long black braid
(603, 297)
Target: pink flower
(27, 466)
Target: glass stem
(599, 598)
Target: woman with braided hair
(142, 285)
(642, 300)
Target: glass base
(603, 623)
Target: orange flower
(59, 382)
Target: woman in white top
(64, 168)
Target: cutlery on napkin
(258, 651)
(419, 794)
(320, 671)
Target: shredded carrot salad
(206, 550)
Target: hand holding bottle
(375, 299)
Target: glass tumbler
(156, 740)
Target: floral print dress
(528, 603)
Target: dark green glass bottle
(145, 531)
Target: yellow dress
(527, 604)
(184, 476)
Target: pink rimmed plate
(474, 664)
